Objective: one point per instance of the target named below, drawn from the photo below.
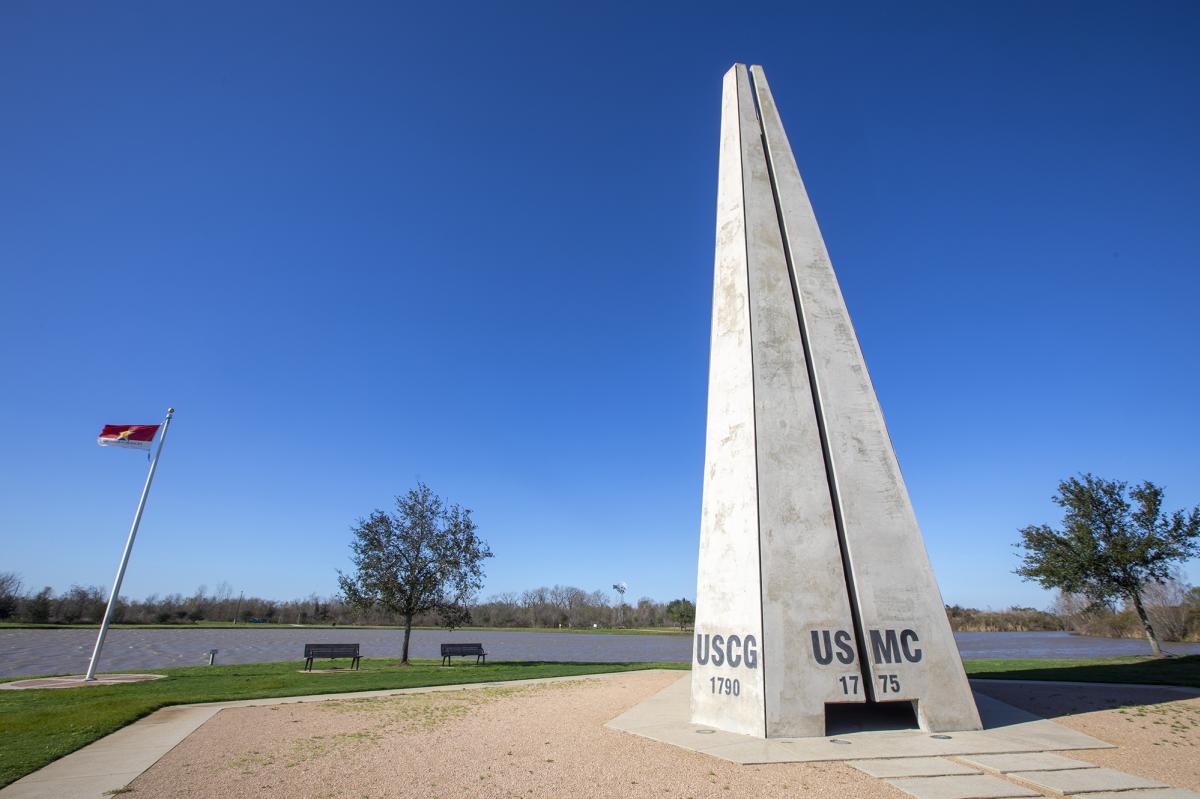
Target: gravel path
(548, 740)
(529, 742)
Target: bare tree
(1166, 605)
(569, 600)
(10, 593)
(1072, 609)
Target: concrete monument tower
(814, 587)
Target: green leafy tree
(1114, 540)
(425, 557)
(682, 612)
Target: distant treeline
(557, 606)
(1174, 609)
(1013, 620)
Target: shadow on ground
(1053, 701)
(1183, 671)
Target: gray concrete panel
(728, 598)
(801, 483)
(909, 647)
(887, 768)
(1080, 780)
(979, 786)
(808, 649)
(1027, 761)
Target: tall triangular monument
(815, 595)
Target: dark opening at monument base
(841, 718)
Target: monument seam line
(753, 391)
(840, 570)
(826, 452)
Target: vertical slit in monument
(753, 399)
(860, 638)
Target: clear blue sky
(357, 245)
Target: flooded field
(48, 651)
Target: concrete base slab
(76, 680)
(1073, 781)
(1168, 793)
(979, 786)
(912, 767)
(1026, 761)
(665, 717)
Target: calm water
(24, 652)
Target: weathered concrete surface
(766, 491)
(727, 596)
(911, 653)
(979, 786)
(888, 768)
(1080, 780)
(800, 478)
(804, 591)
(893, 582)
(1026, 761)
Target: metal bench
(463, 650)
(330, 651)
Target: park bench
(463, 650)
(329, 651)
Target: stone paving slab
(1026, 761)
(1168, 793)
(978, 786)
(1083, 780)
(911, 767)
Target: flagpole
(137, 519)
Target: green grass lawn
(1148, 671)
(39, 726)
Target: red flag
(137, 436)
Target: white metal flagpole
(137, 518)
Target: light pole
(620, 588)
